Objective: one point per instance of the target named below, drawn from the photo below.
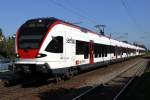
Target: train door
(91, 51)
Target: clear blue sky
(130, 24)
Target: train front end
(29, 42)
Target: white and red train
(56, 47)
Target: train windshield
(32, 33)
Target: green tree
(1, 35)
(3, 48)
(0, 32)
(7, 46)
(10, 48)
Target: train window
(86, 53)
(85, 49)
(119, 51)
(79, 47)
(82, 48)
(96, 50)
(99, 50)
(32, 33)
(122, 50)
(28, 38)
(106, 50)
(116, 51)
(103, 51)
(112, 49)
(56, 45)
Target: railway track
(113, 89)
(66, 90)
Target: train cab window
(55, 45)
(32, 33)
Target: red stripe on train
(31, 53)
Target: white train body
(64, 46)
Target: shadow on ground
(140, 88)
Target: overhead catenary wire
(99, 27)
(83, 11)
(73, 11)
(130, 14)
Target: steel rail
(129, 82)
(120, 92)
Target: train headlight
(41, 55)
(17, 55)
